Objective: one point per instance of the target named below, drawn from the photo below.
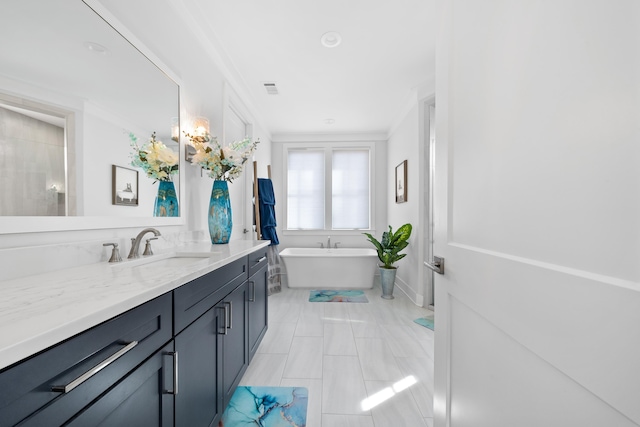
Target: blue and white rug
(267, 407)
(337, 296)
(426, 321)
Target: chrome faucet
(328, 242)
(135, 243)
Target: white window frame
(329, 148)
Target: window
(329, 188)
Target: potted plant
(389, 253)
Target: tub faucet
(135, 242)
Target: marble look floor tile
(284, 313)
(332, 420)
(343, 388)
(377, 360)
(278, 338)
(314, 405)
(399, 409)
(305, 358)
(366, 329)
(402, 343)
(338, 340)
(310, 322)
(335, 312)
(265, 370)
(422, 369)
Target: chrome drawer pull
(91, 372)
(261, 259)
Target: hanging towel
(267, 210)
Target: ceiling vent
(271, 88)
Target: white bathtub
(342, 268)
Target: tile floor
(349, 355)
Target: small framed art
(401, 182)
(124, 186)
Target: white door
(236, 130)
(537, 199)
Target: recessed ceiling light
(331, 39)
(329, 121)
(96, 48)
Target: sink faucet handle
(147, 246)
(335, 245)
(115, 253)
(321, 245)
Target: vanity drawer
(257, 260)
(193, 299)
(52, 386)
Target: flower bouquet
(158, 161)
(223, 163)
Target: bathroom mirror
(66, 72)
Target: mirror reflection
(74, 96)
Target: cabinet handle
(252, 298)
(224, 327)
(230, 325)
(174, 354)
(258, 261)
(91, 372)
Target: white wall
(404, 145)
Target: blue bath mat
(267, 407)
(426, 321)
(337, 296)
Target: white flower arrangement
(223, 163)
(158, 161)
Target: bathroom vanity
(142, 344)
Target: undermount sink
(170, 260)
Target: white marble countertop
(39, 311)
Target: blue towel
(267, 211)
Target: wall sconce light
(200, 128)
(175, 129)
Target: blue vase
(220, 218)
(166, 200)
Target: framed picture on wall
(401, 182)
(124, 186)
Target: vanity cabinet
(52, 387)
(175, 360)
(138, 400)
(258, 306)
(213, 350)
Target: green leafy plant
(391, 244)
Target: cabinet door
(258, 310)
(199, 401)
(236, 341)
(140, 399)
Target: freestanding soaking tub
(342, 268)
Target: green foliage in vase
(391, 244)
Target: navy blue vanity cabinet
(143, 398)
(235, 340)
(53, 386)
(199, 401)
(258, 304)
(211, 343)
